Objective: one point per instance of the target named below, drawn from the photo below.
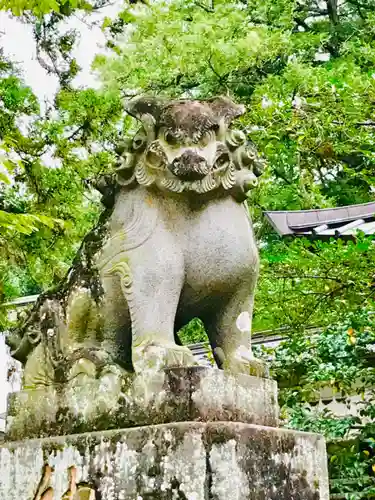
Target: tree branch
(332, 11)
(77, 131)
(283, 177)
(221, 78)
(206, 8)
(360, 5)
(302, 23)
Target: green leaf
(4, 178)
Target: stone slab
(174, 395)
(186, 460)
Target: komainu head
(186, 146)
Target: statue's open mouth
(187, 172)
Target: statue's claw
(151, 355)
(243, 361)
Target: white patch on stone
(118, 469)
(147, 388)
(218, 389)
(229, 481)
(243, 322)
(90, 398)
(186, 465)
(61, 461)
(20, 472)
(306, 459)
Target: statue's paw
(87, 365)
(243, 361)
(151, 355)
(94, 387)
(82, 371)
(112, 377)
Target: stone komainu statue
(175, 242)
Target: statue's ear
(147, 110)
(225, 111)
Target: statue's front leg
(152, 277)
(229, 331)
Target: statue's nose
(190, 166)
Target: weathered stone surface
(191, 461)
(174, 395)
(175, 242)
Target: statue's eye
(222, 160)
(205, 139)
(171, 138)
(139, 142)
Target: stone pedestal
(213, 443)
(111, 402)
(186, 460)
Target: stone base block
(187, 460)
(175, 395)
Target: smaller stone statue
(175, 242)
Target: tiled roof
(324, 223)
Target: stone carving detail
(188, 147)
(74, 491)
(174, 242)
